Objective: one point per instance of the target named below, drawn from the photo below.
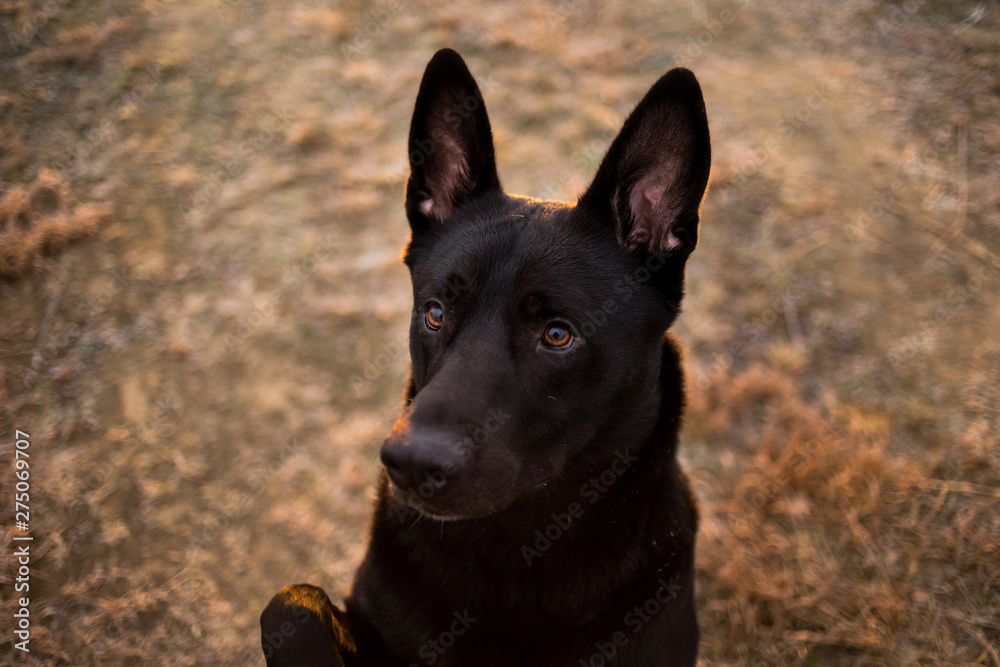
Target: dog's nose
(419, 462)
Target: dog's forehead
(528, 245)
(518, 235)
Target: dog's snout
(419, 461)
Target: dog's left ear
(654, 176)
(451, 143)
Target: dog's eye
(434, 316)
(557, 336)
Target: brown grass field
(200, 230)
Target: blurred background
(204, 316)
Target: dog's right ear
(451, 143)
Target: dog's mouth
(425, 507)
(429, 513)
(468, 499)
(456, 504)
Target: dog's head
(537, 326)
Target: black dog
(532, 512)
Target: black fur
(532, 511)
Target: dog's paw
(300, 627)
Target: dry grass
(186, 375)
(83, 46)
(38, 220)
(816, 538)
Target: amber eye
(434, 317)
(557, 336)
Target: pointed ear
(651, 182)
(451, 143)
